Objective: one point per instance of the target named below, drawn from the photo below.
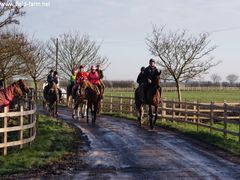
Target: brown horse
(153, 99)
(93, 97)
(16, 89)
(79, 105)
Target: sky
(123, 25)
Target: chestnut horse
(93, 97)
(79, 105)
(16, 89)
(153, 99)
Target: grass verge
(216, 138)
(53, 141)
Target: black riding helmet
(152, 60)
(142, 68)
(55, 73)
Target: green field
(232, 96)
(53, 141)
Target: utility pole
(56, 54)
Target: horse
(51, 99)
(13, 91)
(93, 97)
(79, 105)
(69, 95)
(153, 98)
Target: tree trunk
(4, 83)
(36, 89)
(179, 91)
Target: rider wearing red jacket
(93, 77)
(81, 75)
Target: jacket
(93, 77)
(81, 76)
(140, 78)
(150, 73)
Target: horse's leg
(87, 112)
(142, 112)
(139, 115)
(156, 115)
(150, 117)
(95, 109)
(84, 109)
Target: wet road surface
(120, 149)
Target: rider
(100, 74)
(149, 75)
(93, 77)
(50, 77)
(73, 78)
(56, 81)
(50, 83)
(81, 75)
(141, 77)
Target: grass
(201, 96)
(53, 141)
(216, 138)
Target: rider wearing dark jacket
(141, 77)
(149, 76)
(150, 72)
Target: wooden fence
(220, 117)
(17, 128)
(171, 89)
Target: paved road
(119, 149)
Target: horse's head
(86, 84)
(158, 77)
(23, 87)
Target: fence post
(21, 125)
(121, 103)
(5, 134)
(111, 103)
(211, 117)
(131, 106)
(194, 111)
(239, 128)
(173, 110)
(225, 122)
(163, 110)
(198, 115)
(186, 116)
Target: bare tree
(181, 54)
(36, 62)
(9, 12)
(12, 45)
(232, 78)
(75, 50)
(215, 78)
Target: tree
(12, 45)
(9, 12)
(232, 78)
(75, 50)
(184, 56)
(36, 62)
(215, 78)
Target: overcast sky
(122, 26)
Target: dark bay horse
(51, 100)
(16, 89)
(70, 100)
(93, 97)
(153, 99)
